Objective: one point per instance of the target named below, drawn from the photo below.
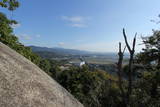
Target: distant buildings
(82, 63)
(67, 66)
(79, 64)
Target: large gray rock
(23, 84)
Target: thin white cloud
(24, 37)
(61, 44)
(80, 40)
(15, 25)
(38, 36)
(27, 37)
(80, 25)
(76, 21)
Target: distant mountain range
(64, 52)
(60, 51)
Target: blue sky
(93, 25)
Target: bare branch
(125, 38)
(134, 42)
(124, 49)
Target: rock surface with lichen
(23, 84)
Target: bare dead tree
(130, 69)
(126, 95)
(119, 65)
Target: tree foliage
(93, 89)
(147, 88)
(7, 37)
(151, 53)
(45, 65)
(9, 4)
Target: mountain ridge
(66, 51)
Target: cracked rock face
(23, 84)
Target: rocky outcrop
(23, 84)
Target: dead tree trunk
(130, 69)
(119, 65)
(126, 95)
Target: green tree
(92, 88)
(151, 52)
(148, 85)
(7, 37)
(45, 65)
(9, 4)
